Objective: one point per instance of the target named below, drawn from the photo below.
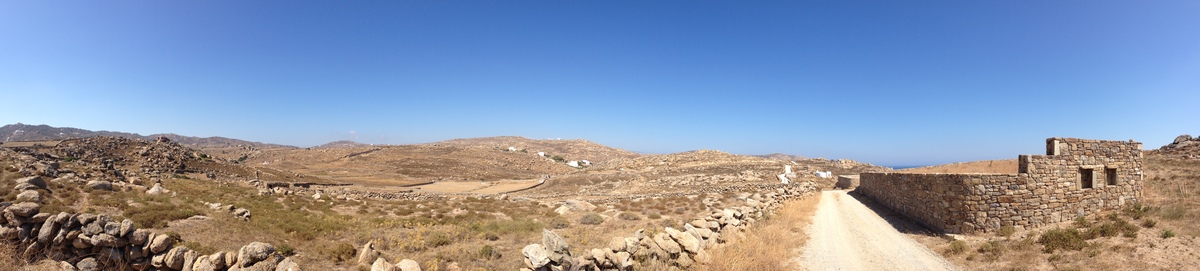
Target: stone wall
(1049, 188)
(846, 181)
(683, 248)
(97, 242)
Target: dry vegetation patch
(772, 243)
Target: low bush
(992, 250)
(957, 247)
(629, 216)
(1149, 223)
(559, 223)
(1006, 231)
(340, 253)
(1066, 239)
(285, 250)
(591, 219)
(1167, 234)
(157, 215)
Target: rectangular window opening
(1110, 174)
(1085, 178)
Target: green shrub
(285, 250)
(341, 252)
(629, 216)
(1137, 211)
(1006, 231)
(992, 250)
(491, 236)
(487, 252)
(559, 223)
(957, 247)
(1167, 234)
(437, 239)
(1082, 222)
(1067, 239)
(654, 216)
(591, 219)
(1149, 223)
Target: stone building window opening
(1110, 175)
(1085, 178)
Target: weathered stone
(557, 248)
(157, 189)
(617, 244)
(288, 265)
(382, 264)
(106, 240)
(203, 263)
(112, 228)
(49, 229)
(30, 195)
(411, 265)
(24, 209)
(161, 243)
(99, 185)
(126, 228)
(536, 255)
(139, 237)
(367, 255)
(176, 258)
(35, 181)
(254, 252)
(218, 260)
(87, 264)
(668, 245)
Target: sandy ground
(847, 235)
(495, 187)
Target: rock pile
(1184, 146)
(369, 257)
(97, 242)
(681, 248)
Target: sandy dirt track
(846, 235)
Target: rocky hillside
(341, 144)
(26, 132)
(1184, 146)
(569, 149)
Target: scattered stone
(254, 252)
(382, 264)
(35, 181)
(29, 195)
(411, 265)
(100, 185)
(536, 255)
(367, 254)
(87, 264)
(161, 243)
(157, 189)
(25, 209)
(242, 213)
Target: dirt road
(846, 235)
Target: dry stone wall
(1077, 177)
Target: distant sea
(904, 167)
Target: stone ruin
(1075, 178)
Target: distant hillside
(341, 144)
(1008, 166)
(569, 149)
(781, 156)
(1184, 146)
(26, 132)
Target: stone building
(1076, 177)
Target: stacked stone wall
(1049, 188)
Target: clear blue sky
(886, 82)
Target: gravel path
(846, 235)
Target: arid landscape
(507, 203)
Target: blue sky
(885, 82)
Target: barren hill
(25, 132)
(1007, 166)
(341, 144)
(409, 164)
(1183, 146)
(570, 149)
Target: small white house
(585, 162)
(542, 154)
(823, 174)
(512, 148)
(573, 163)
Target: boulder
(161, 243)
(616, 244)
(242, 213)
(157, 189)
(87, 264)
(411, 265)
(126, 228)
(203, 263)
(107, 240)
(218, 260)
(30, 195)
(139, 237)
(24, 209)
(35, 181)
(99, 185)
(254, 252)
(367, 255)
(574, 206)
(175, 258)
(1182, 138)
(288, 265)
(49, 229)
(382, 264)
(667, 244)
(536, 255)
(556, 247)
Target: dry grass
(772, 243)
